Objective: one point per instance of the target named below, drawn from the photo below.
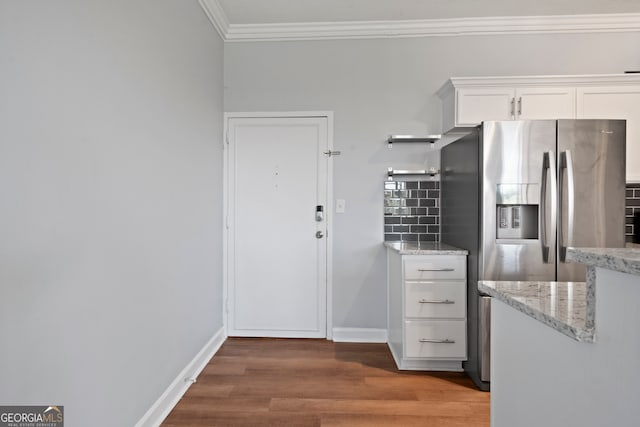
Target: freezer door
(591, 187)
(517, 199)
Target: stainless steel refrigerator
(516, 194)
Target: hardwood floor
(302, 382)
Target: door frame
(329, 209)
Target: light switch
(340, 205)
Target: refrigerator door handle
(566, 164)
(548, 169)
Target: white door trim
(328, 211)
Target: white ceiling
(240, 12)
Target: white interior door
(277, 246)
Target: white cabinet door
(475, 105)
(436, 339)
(539, 103)
(621, 102)
(436, 299)
(431, 267)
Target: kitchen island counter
(624, 260)
(560, 305)
(424, 248)
(557, 381)
(568, 307)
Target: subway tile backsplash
(412, 211)
(632, 210)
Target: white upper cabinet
(616, 102)
(467, 101)
(474, 105)
(538, 103)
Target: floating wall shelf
(412, 139)
(393, 172)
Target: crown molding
(546, 80)
(217, 16)
(619, 22)
(578, 80)
(435, 27)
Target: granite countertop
(564, 306)
(568, 307)
(425, 248)
(624, 260)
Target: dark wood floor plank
(372, 407)
(247, 420)
(326, 390)
(228, 366)
(293, 382)
(208, 390)
(203, 406)
(452, 396)
(458, 382)
(341, 420)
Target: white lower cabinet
(435, 299)
(435, 338)
(427, 311)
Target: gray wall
(110, 201)
(377, 87)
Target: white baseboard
(360, 335)
(165, 403)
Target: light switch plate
(340, 205)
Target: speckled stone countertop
(625, 260)
(568, 307)
(425, 248)
(560, 305)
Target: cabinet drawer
(427, 267)
(436, 338)
(436, 299)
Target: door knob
(319, 235)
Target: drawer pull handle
(445, 341)
(436, 269)
(436, 301)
